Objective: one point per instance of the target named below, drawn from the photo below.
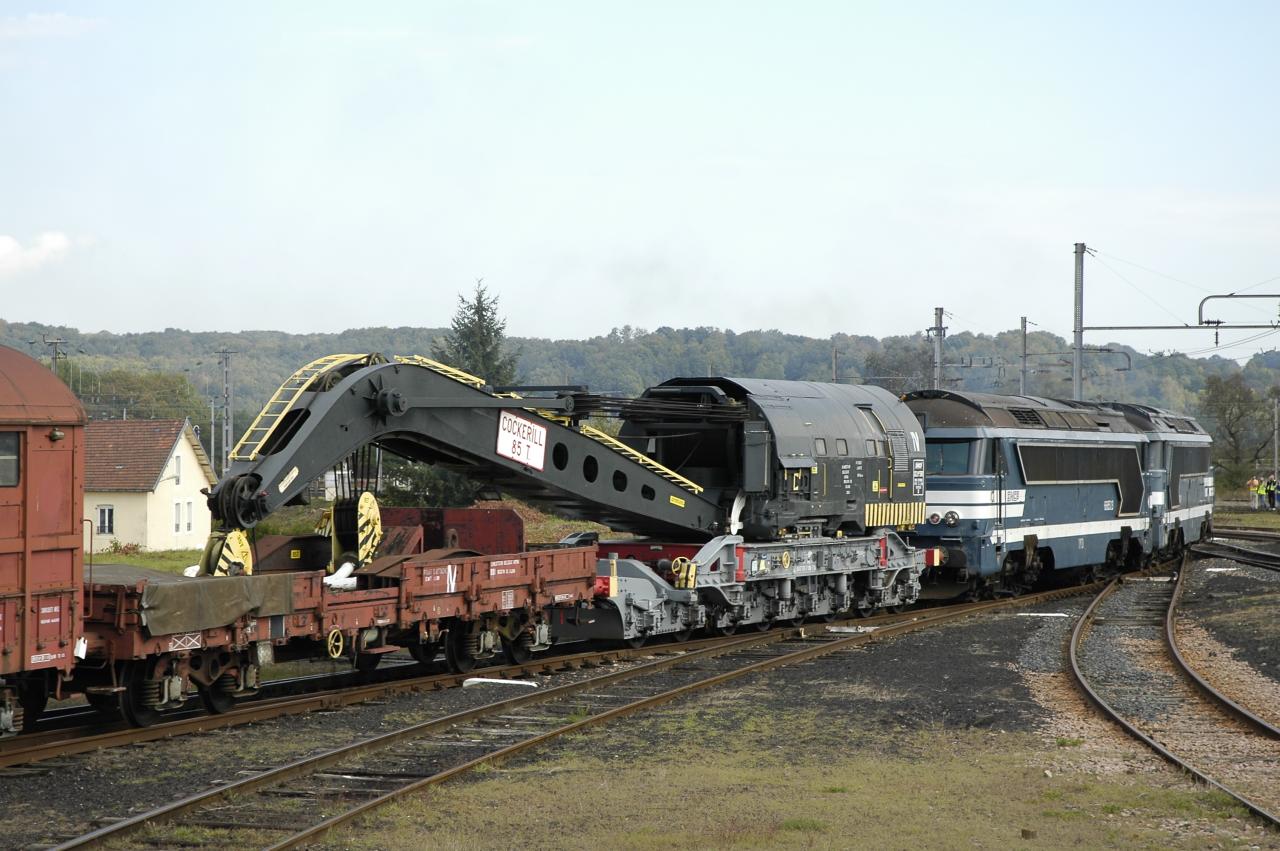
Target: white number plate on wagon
(521, 440)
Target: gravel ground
(1239, 605)
(1114, 625)
(998, 678)
(63, 798)
(995, 675)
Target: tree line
(174, 373)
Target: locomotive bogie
(728, 584)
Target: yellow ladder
(264, 425)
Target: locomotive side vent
(898, 447)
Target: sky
(812, 167)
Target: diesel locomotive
(1019, 486)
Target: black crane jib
(425, 414)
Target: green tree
(476, 341)
(902, 364)
(1239, 419)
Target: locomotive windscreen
(949, 456)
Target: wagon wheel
(107, 704)
(458, 651)
(423, 653)
(763, 626)
(367, 663)
(716, 630)
(216, 698)
(518, 650)
(138, 700)
(34, 697)
(864, 609)
(635, 643)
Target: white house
(142, 484)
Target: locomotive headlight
(935, 518)
(951, 518)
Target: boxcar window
(8, 459)
(948, 456)
(842, 447)
(819, 446)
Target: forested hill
(627, 360)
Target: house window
(106, 520)
(188, 517)
(8, 459)
(177, 517)
(177, 470)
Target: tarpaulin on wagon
(173, 603)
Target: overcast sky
(812, 167)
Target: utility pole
(56, 353)
(1077, 362)
(938, 331)
(1022, 379)
(213, 431)
(224, 358)
(1275, 434)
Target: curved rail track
(1135, 673)
(304, 799)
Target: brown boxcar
(41, 538)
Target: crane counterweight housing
(809, 458)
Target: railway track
(99, 734)
(1124, 656)
(1246, 533)
(298, 802)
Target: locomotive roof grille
(1026, 416)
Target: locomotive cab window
(951, 457)
(819, 446)
(8, 459)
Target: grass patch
(764, 788)
(1256, 519)
(171, 561)
(1064, 742)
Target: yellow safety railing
(442, 368)
(640, 458)
(264, 425)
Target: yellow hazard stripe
(895, 513)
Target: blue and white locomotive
(1018, 486)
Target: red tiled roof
(128, 455)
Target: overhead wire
(1141, 291)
